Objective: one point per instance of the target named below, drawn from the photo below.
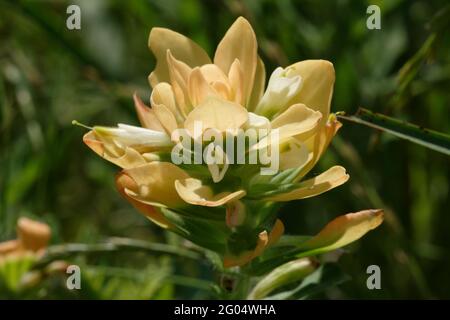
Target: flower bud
(287, 273)
(280, 89)
(33, 235)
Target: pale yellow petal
(217, 79)
(213, 73)
(125, 158)
(179, 76)
(318, 79)
(194, 192)
(258, 122)
(125, 182)
(198, 88)
(163, 94)
(280, 90)
(184, 49)
(236, 79)
(131, 158)
(318, 143)
(344, 230)
(332, 178)
(294, 154)
(223, 89)
(258, 86)
(298, 120)
(166, 117)
(146, 115)
(155, 183)
(296, 113)
(239, 43)
(217, 114)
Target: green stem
(114, 245)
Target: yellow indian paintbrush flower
(225, 206)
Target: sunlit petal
(123, 182)
(239, 43)
(218, 114)
(161, 40)
(317, 89)
(146, 116)
(328, 180)
(194, 192)
(155, 183)
(343, 230)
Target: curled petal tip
(96, 145)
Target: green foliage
(12, 271)
(428, 138)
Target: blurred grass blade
(428, 138)
(190, 282)
(114, 245)
(440, 20)
(410, 69)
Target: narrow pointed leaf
(428, 138)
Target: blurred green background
(50, 75)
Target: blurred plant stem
(114, 245)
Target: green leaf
(12, 269)
(269, 189)
(208, 234)
(410, 69)
(428, 138)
